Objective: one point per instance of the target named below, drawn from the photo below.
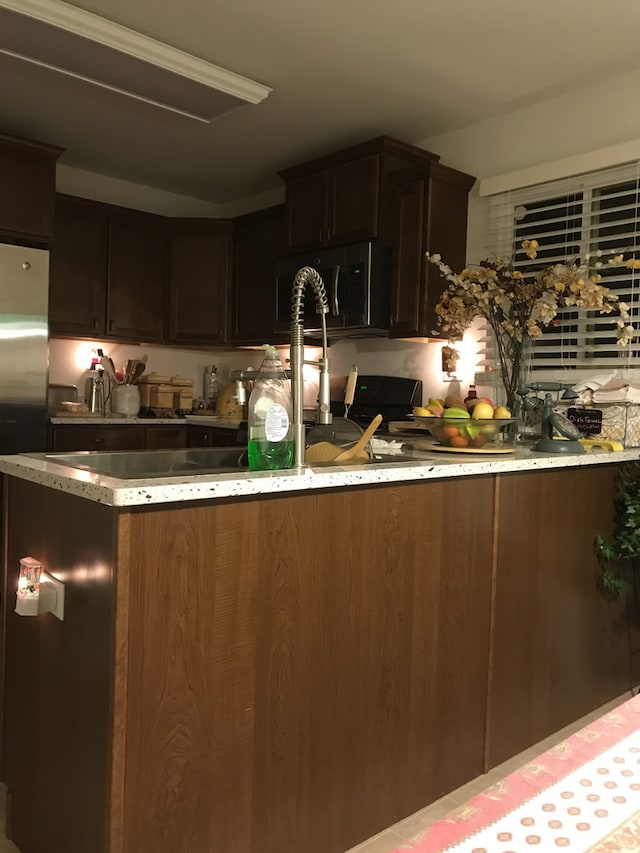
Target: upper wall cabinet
(199, 254)
(347, 196)
(259, 241)
(136, 284)
(431, 205)
(27, 189)
(78, 271)
(108, 272)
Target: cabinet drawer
(84, 437)
(202, 436)
(165, 437)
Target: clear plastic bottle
(271, 445)
(210, 387)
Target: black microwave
(357, 279)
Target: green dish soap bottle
(271, 444)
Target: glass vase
(509, 384)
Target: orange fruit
(458, 441)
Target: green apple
(455, 412)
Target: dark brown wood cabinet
(78, 268)
(210, 436)
(108, 272)
(199, 267)
(70, 437)
(259, 241)
(134, 276)
(165, 437)
(431, 204)
(27, 189)
(136, 283)
(346, 197)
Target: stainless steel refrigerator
(24, 348)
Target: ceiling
(341, 71)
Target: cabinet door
(409, 260)
(78, 278)
(86, 437)
(431, 214)
(27, 188)
(165, 437)
(353, 200)
(205, 436)
(307, 211)
(137, 276)
(199, 260)
(259, 241)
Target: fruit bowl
(471, 433)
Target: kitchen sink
(141, 464)
(144, 464)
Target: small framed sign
(587, 421)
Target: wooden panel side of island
(57, 732)
(560, 649)
(304, 670)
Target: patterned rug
(583, 794)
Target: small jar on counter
(210, 387)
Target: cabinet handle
(94, 322)
(205, 439)
(335, 281)
(111, 325)
(98, 440)
(392, 319)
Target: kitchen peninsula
(292, 661)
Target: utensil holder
(125, 400)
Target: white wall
(85, 184)
(69, 362)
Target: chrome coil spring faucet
(311, 276)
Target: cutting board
(491, 450)
(407, 426)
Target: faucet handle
(240, 393)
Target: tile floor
(406, 829)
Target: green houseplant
(620, 552)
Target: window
(576, 219)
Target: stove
(392, 396)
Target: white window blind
(575, 219)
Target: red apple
(479, 441)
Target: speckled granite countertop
(107, 420)
(96, 420)
(408, 468)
